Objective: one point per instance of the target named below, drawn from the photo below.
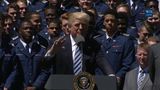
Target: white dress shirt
(24, 44)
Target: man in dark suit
(154, 61)
(133, 79)
(63, 54)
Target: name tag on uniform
(38, 55)
(7, 55)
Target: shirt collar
(6, 2)
(107, 36)
(23, 43)
(140, 69)
(131, 2)
(28, 2)
(145, 70)
(72, 40)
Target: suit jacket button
(106, 51)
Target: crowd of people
(117, 38)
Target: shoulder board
(125, 34)
(39, 10)
(42, 46)
(14, 38)
(103, 30)
(100, 14)
(76, 7)
(44, 1)
(132, 27)
(13, 45)
(96, 36)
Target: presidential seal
(83, 81)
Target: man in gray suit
(154, 66)
(138, 78)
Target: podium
(65, 82)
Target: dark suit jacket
(154, 62)
(131, 81)
(62, 61)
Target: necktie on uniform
(133, 7)
(109, 39)
(27, 48)
(140, 79)
(77, 61)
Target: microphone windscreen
(79, 38)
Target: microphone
(79, 39)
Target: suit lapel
(67, 50)
(135, 75)
(35, 48)
(85, 57)
(23, 50)
(67, 46)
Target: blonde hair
(144, 46)
(83, 17)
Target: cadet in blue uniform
(2, 74)
(29, 63)
(8, 34)
(137, 9)
(1, 71)
(100, 7)
(82, 6)
(55, 4)
(131, 28)
(38, 30)
(6, 46)
(153, 4)
(49, 14)
(37, 6)
(118, 49)
(123, 26)
(3, 5)
(53, 32)
(22, 8)
(13, 11)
